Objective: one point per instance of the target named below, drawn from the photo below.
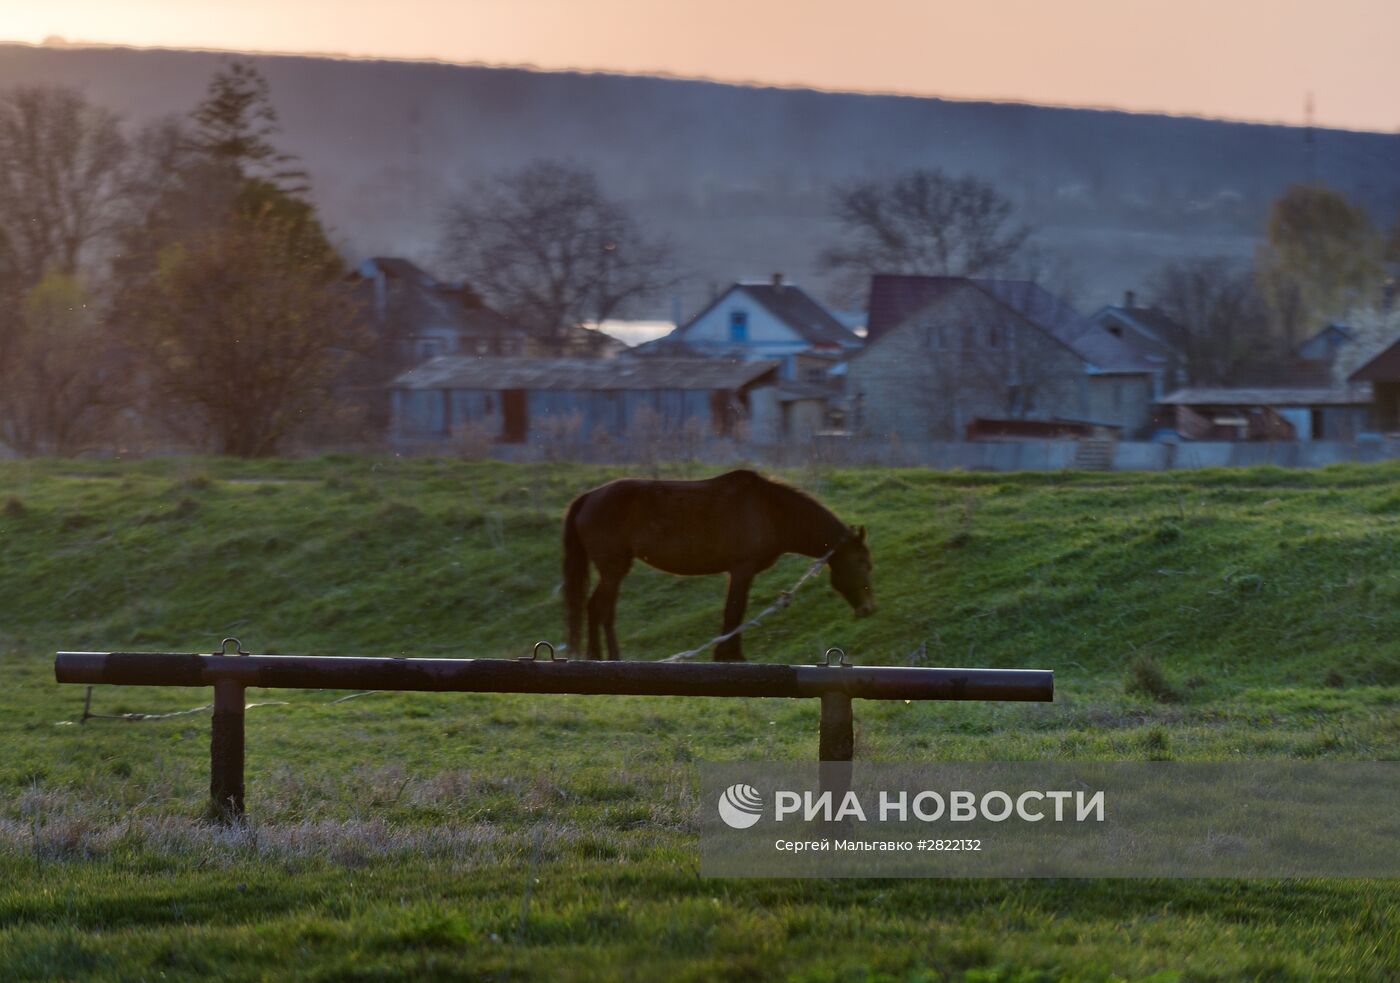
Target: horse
(737, 523)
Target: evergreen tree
(234, 125)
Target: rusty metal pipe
(529, 676)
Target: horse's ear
(861, 533)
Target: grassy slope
(503, 836)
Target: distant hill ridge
(739, 176)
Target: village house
(760, 321)
(417, 317)
(1152, 335)
(530, 400)
(944, 352)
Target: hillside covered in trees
(741, 178)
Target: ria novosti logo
(740, 806)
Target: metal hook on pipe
(826, 657)
(535, 652)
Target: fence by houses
(1019, 455)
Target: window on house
(739, 326)
(816, 375)
(933, 335)
(429, 347)
(993, 336)
(969, 336)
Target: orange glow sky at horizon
(1236, 59)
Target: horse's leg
(735, 603)
(602, 607)
(595, 619)
(610, 611)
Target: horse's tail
(575, 575)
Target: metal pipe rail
(834, 685)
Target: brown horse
(737, 523)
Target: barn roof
(1383, 367)
(1352, 396)
(468, 372)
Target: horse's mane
(802, 496)
(800, 505)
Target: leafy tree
(1321, 259)
(243, 330)
(546, 247)
(54, 397)
(923, 223)
(230, 291)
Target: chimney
(1128, 299)
(777, 281)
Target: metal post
(226, 753)
(838, 739)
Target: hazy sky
(1242, 59)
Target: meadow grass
(1211, 615)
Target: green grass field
(1214, 615)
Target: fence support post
(838, 739)
(226, 753)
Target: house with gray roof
(1153, 334)
(943, 352)
(417, 317)
(758, 321)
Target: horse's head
(850, 573)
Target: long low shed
(834, 685)
(519, 400)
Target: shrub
(1145, 678)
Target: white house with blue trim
(753, 321)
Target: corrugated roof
(1268, 397)
(667, 346)
(896, 298)
(467, 372)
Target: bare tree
(61, 165)
(61, 162)
(924, 223)
(551, 251)
(1222, 321)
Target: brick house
(942, 352)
